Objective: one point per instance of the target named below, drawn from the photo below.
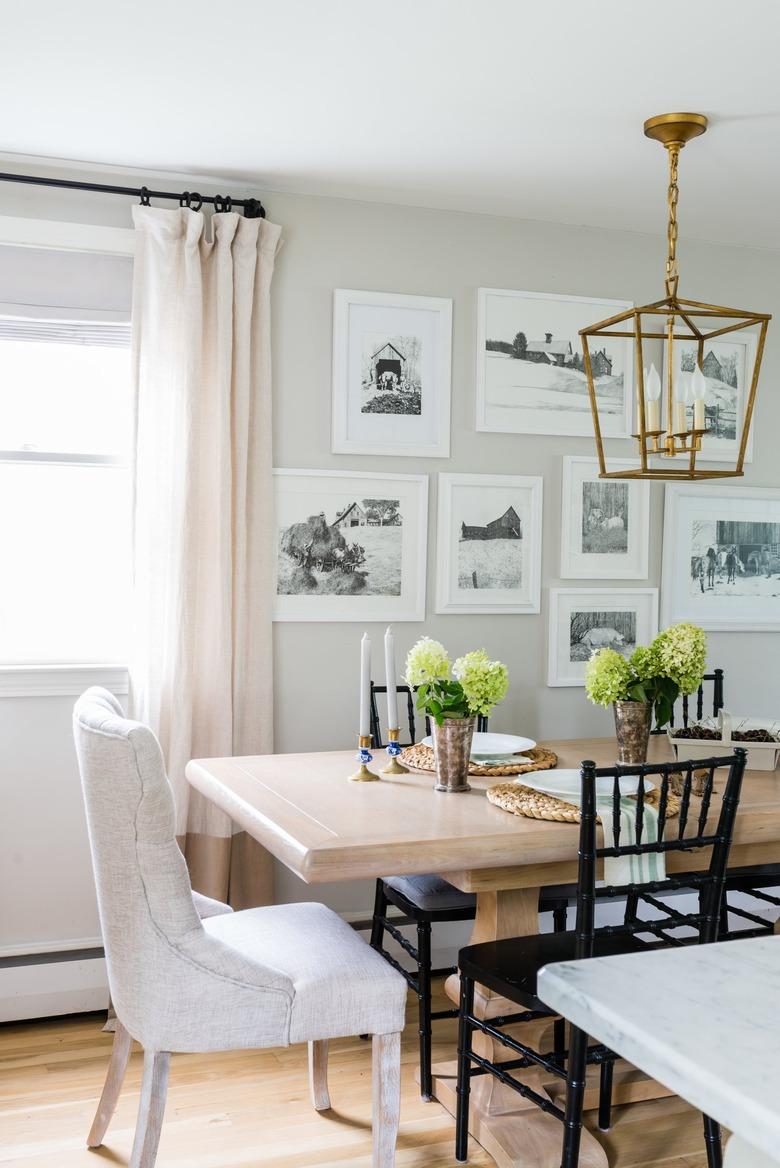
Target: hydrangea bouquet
(657, 674)
(471, 685)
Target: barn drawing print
(491, 555)
(352, 549)
(733, 558)
(391, 375)
(723, 367)
(590, 631)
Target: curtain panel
(201, 667)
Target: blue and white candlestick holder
(393, 748)
(364, 757)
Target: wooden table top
(303, 809)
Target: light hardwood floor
(247, 1109)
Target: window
(65, 427)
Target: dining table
(304, 810)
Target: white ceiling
(511, 107)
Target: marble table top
(703, 1021)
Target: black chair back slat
(616, 808)
(704, 810)
(376, 722)
(640, 808)
(716, 678)
(709, 883)
(685, 801)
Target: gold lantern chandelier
(672, 436)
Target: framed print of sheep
(391, 374)
(605, 523)
(530, 371)
(585, 619)
(349, 546)
(489, 543)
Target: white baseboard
(52, 988)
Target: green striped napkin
(630, 869)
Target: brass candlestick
(364, 756)
(394, 767)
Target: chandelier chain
(672, 274)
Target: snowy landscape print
(533, 375)
(725, 366)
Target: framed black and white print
(605, 523)
(721, 566)
(583, 620)
(349, 546)
(727, 366)
(489, 543)
(391, 374)
(530, 369)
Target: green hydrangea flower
(484, 682)
(427, 661)
(681, 651)
(607, 677)
(644, 662)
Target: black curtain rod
(253, 208)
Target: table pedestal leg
(511, 1129)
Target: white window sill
(42, 681)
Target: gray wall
(333, 243)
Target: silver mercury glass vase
(452, 751)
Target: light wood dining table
(303, 809)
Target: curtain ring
(219, 204)
(184, 199)
(145, 197)
(196, 201)
(228, 204)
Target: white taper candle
(390, 680)
(365, 687)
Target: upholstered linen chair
(263, 977)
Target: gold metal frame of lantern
(674, 319)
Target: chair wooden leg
(424, 1002)
(120, 1053)
(386, 1098)
(712, 1142)
(575, 1097)
(318, 1075)
(605, 1095)
(151, 1108)
(464, 1068)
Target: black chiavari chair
(716, 677)
(425, 901)
(510, 967)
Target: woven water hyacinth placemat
(420, 758)
(520, 800)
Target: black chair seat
(755, 876)
(510, 968)
(431, 894)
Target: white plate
(565, 784)
(494, 745)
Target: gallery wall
(333, 243)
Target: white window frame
(24, 681)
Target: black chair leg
(560, 914)
(559, 1038)
(575, 1097)
(713, 1143)
(380, 911)
(605, 1095)
(464, 1070)
(424, 1000)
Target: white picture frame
(745, 520)
(736, 354)
(323, 518)
(479, 569)
(572, 638)
(391, 387)
(555, 403)
(593, 545)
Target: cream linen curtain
(201, 670)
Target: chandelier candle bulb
(653, 394)
(390, 681)
(699, 394)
